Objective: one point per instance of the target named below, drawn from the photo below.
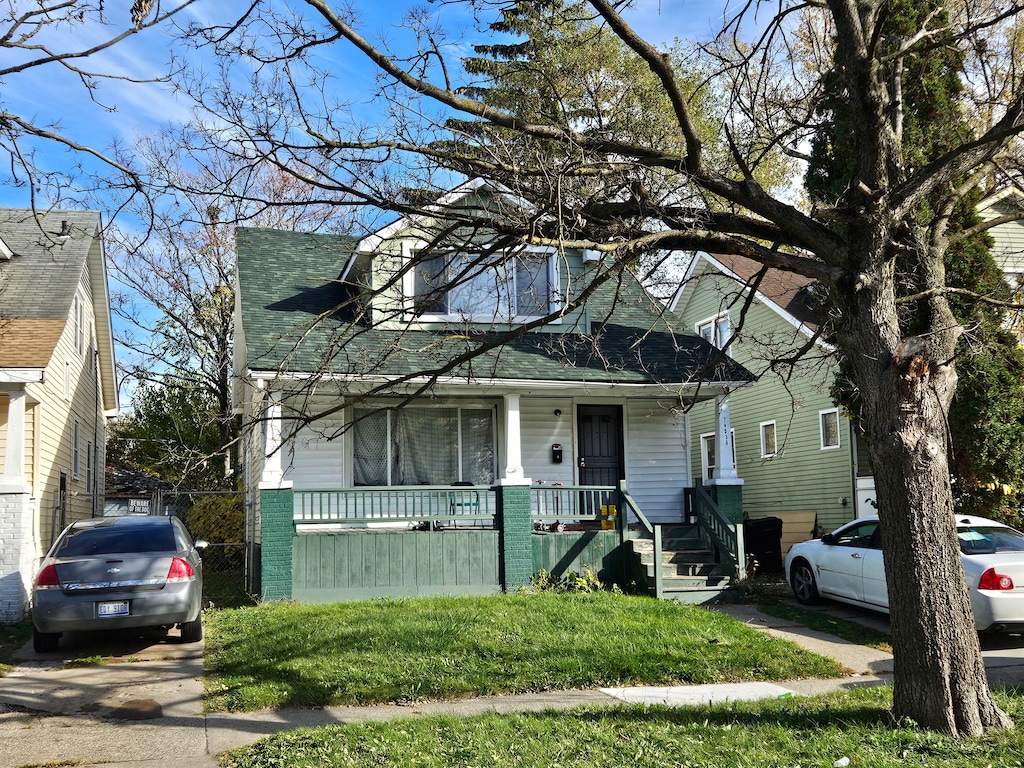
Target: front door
(600, 445)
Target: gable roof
(786, 293)
(51, 251)
(286, 280)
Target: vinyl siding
(314, 463)
(802, 477)
(1008, 248)
(657, 464)
(53, 425)
(540, 429)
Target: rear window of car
(114, 540)
(975, 540)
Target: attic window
(6, 254)
(481, 287)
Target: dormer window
(481, 287)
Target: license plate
(114, 608)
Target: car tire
(192, 631)
(44, 642)
(801, 579)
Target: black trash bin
(762, 539)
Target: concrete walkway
(147, 712)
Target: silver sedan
(119, 573)
(846, 565)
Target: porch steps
(689, 571)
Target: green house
(436, 378)
(795, 451)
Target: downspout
(95, 432)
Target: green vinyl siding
(801, 477)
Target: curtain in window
(369, 447)
(477, 446)
(424, 446)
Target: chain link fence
(216, 517)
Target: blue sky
(123, 111)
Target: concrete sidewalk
(149, 714)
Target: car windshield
(115, 539)
(979, 540)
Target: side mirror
(828, 538)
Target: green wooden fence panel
(355, 566)
(569, 551)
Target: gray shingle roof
(39, 281)
(284, 286)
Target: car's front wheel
(44, 642)
(802, 580)
(192, 631)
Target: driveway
(144, 704)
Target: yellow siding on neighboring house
(58, 413)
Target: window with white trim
(88, 466)
(708, 453)
(79, 326)
(76, 450)
(829, 424)
(423, 446)
(67, 379)
(715, 330)
(482, 287)
(768, 446)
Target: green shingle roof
(289, 295)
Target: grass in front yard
(12, 637)
(853, 631)
(816, 732)
(296, 655)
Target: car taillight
(996, 581)
(180, 570)
(47, 578)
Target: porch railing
(727, 537)
(572, 503)
(654, 531)
(448, 505)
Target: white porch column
(273, 450)
(13, 480)
(725, 462)
(514, 473)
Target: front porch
(358, 543)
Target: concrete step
(708, 595)
(689, 570)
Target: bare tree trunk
(940, 680)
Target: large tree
(986, 416)
(64, 43)
(174, 294)
(879, 246)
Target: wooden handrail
(725, 535)
(628, 502)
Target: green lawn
(297, 655)
(812, 733)
(12, 637)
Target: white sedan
(846, 565)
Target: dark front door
(600, 441)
